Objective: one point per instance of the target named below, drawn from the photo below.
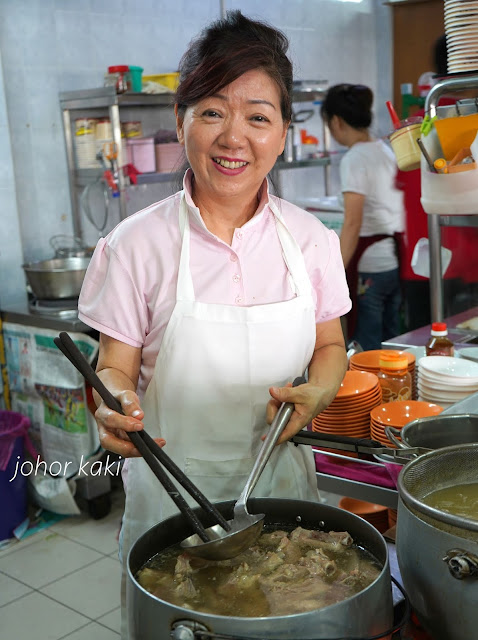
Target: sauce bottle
(439, 344)
(394, 377)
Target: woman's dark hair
(225, 50)
(351, 102)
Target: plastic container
(13, 495)
(140, 153)
(439, 344)
(169, 156)
(135, 74)
(104, 135)
(394, 377)
(118, 77)
(85, 148)
(169, 80)
(404, 144)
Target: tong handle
(142, 441)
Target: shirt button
(238, 300)
(239, 234)
(236, 278)
(233, 257)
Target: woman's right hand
(113, 427)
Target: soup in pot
(459, 500)
(283, 573)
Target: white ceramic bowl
(450, 367)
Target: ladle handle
(277, 427)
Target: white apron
(209, 391)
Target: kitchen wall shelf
(437, 221)
(104, 101)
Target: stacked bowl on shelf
(398, 414)
(349, 412)
(446, 380)
(375, 514)
(461, 28)
(369, 361)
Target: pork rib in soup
(284, 573)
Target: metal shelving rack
(436, 221)
(106, 98)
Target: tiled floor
(63, 583)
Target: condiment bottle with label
(439, 343)
(394, 377)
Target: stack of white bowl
(446, 380)
(461, 27)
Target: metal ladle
(245, 528)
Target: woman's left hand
(309, 401)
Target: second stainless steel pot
(437, 551)
(435, 432)
(368, 613)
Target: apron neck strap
(291, 252)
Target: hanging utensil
(149, 449)
(245, 528)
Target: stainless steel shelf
(297, 164)
(459, 221)
(107, 96)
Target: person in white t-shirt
(373, 216)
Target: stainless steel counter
(20, 313)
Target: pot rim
(385, 568)
(421, 507)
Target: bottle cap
(392, 360)
(439, 329)
(120, 68)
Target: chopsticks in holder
(149, 449)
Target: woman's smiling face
(232, 139)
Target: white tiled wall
(49, 46)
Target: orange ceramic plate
(355, 383)
(402, 412)
(371, 358)
(360, 507)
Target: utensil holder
(447, 193)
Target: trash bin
(13, 493)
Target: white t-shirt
(369, 168)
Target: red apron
(352, 273)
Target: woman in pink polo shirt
(211, 302)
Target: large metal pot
(366, 614)
(436, 432)
(57, 278)
(438, 552)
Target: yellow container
(405, 147)
(170, 80)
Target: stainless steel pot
(366, 614)
(438, 552)
(57, 278)
(435, 432)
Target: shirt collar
(264, 199)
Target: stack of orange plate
(376, 514)
(392, 518)
(397, 414)
(369, 361)
(349, 413)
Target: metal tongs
(149, 449)
(357, 445)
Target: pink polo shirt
(129, 290)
